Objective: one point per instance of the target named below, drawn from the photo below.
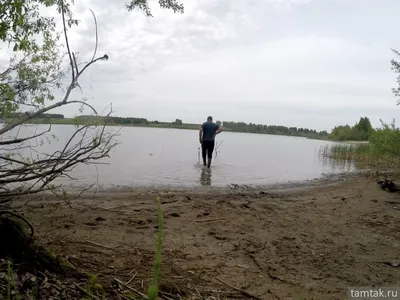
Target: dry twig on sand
(99, 245)
(239, 290)
(86, 292)
(130, 288)
(212, 220)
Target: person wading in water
(207, 134)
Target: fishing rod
(216, 148)
(216, 152)
(198, 155)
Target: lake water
(165, 157)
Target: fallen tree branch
(388, 185)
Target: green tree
(29, 82)
(361, 131)
(27, 88)
(365, 127)
(34, 68)
(273, 129)
(177, 122)
(340, 133)
(144, 6)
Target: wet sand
(284, 242)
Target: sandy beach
(305, 242)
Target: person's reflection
(205, 177)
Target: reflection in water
(205, 177)
(341, 165)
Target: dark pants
(207, 148)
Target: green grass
(364, 155)
(11, 283)
(153, 289)
(9, 279)
(348, 151)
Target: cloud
(304, 63)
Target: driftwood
(388, 185)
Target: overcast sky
(304, 63)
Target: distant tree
(177, 122)
(340, 133)
(365, 127)
(273, 129)
(361, 131)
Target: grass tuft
(363, 155)
(348, 151)
(153, 289)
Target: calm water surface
(155, 156)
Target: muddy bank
(309, 242)
(324, 180)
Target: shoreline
(105, 191)
(324, 178)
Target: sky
(303, 63)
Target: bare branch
(84, 103)
(20, 175)
(75, 64)
(104, 57)
(55, 167)
(29, 116)
(15, 141)
(97, 35)
(13, 160)
(67, 199)
(66, 41)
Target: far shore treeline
(376, 143)
(360, 131)
(132, 121)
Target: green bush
(386, 140)
(383, 147)
(361, 131)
